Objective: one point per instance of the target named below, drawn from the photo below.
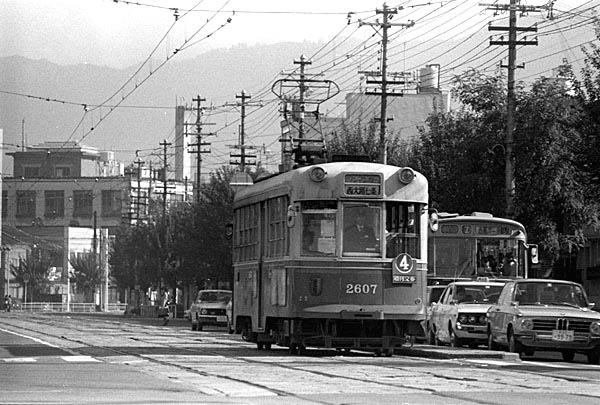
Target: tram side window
(361, 229)
(318, 228)
(277, 233)
(246, 233)
(402, 229)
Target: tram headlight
(406, 175)
(317, 174)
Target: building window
(111, 203)
(82, 203)
(62, 171)
(25, 204)
(55, 203)
(31, 172)
(4, 204)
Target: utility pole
(304, 93)
(243, 155)
(302, 90)
(199, 143)
(165, 144)
(385, 25)
(139, 163)
(513, 8)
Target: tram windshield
(361, 229)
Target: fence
(73, 307)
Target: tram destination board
(367, 185)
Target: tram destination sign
(367, 185)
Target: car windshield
(549, 293)
(478, 294)
(214, 296)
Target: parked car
(459, 316)
(210, 308)
(434, 292)
(542, 314)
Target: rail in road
(219, 365)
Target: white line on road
(29, 337)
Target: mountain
(43, 101)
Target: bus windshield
(472, 257)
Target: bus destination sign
(367, 185)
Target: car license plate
(562, 335)
(221, 319)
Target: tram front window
(361, 230)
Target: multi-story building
(57, 186)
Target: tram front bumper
(366, 312)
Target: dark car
(542, 314)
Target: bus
(332, 255)
(478, 245)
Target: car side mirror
(591, 305)
(514, 303)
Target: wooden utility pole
(385, 25)
(513, 29)
(199, 143)
(165, 144)
(243, 155)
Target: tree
(86, 273)
(35, 267)
(462, 154)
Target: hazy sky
(119, 33)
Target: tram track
(164, 341)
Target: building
(58, 187)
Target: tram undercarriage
(378, 336)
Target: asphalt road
(111, 359)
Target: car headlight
(203, 311)
(463, 318)
(526, 324)
(472, 319)
(482, 319)
(595, 328)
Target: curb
(435, 352)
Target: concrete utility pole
(243, 155)
(385, 25)
(199, 143)
(513, 8)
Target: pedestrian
(7, 303)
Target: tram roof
(329, 188)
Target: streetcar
(332, 255)
(479, 245)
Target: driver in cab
(360, 237)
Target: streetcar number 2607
(361, 288)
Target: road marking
(29, 337)
(80, 359)
(20, 360)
